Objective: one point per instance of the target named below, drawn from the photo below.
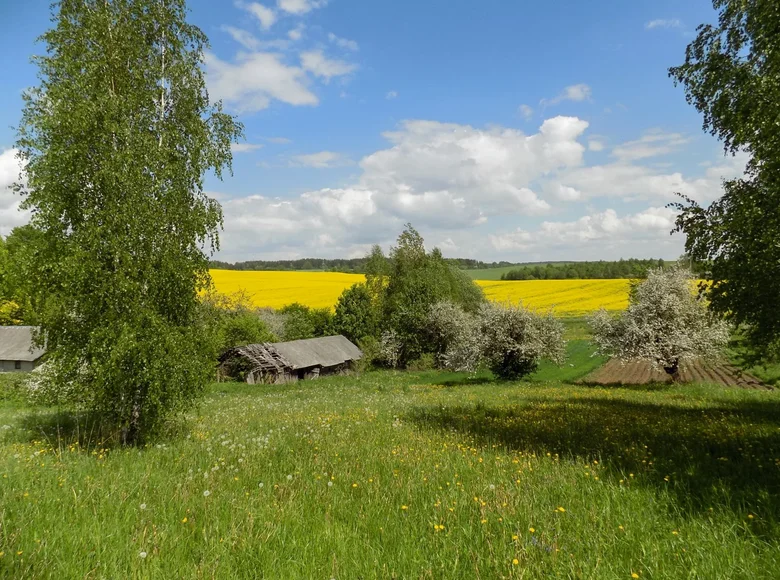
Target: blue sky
(500, 129)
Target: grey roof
(326, 351)
(16, 344)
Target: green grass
(662, 482)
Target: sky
(501, 130)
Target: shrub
(665, 324)
(297, 322)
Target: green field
(405, 475)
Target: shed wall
(9, 366)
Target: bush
(509, 340)
(665, 324)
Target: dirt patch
(615, 372)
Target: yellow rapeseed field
(277, 289)
(565, 297)
(321, 289)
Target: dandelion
(184, 520)
(404, 507)
(206, 493)
(634, 575)
(532, 530)
(142, 555)
(515, 562)
(330, 484)
(675, 533)
(260, 485)
(354, 485)
(143, 506)
(289, 478)
(560, 509)
(492, 487)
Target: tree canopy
(731, 74)
(116, 140)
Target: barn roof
(16, 344)
(326, 351)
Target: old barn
(17, 352)
(284, 362)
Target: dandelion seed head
(206, 493)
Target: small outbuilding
(285, 362)
(17, 351)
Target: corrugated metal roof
(326, 351)
(16, 344)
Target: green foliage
(116, 139)
(731, 75)
(17, 254)
(233, 321)
(416, 281)
(298, 323)
(356, 315)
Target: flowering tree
(508, 339)
(665, 323)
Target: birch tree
(116, 139)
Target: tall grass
(404, 475)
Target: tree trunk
(674, 371)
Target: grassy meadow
(405, 475)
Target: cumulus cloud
(391, 95)
(320, 160)
(299, 7)
(343, 42)
(321, 66)
(653, 223)
(663, 23)
(575, 93)
(254, 79)
(264, 15)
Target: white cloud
(279, 140)
(321, 160)
(343, 42)
(391, 95)
(242, 37)
(526, 111)
(654, 223)
(296, 33)
(321, 66)
(654, 143)
(663, 23)
(255, 79)
(11, 215)
(266, 16)
(575, 93)
(299, 7)
(245, 147)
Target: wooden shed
(284, 362)
(17, 352)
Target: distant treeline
(631, 268)
(354, 265)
